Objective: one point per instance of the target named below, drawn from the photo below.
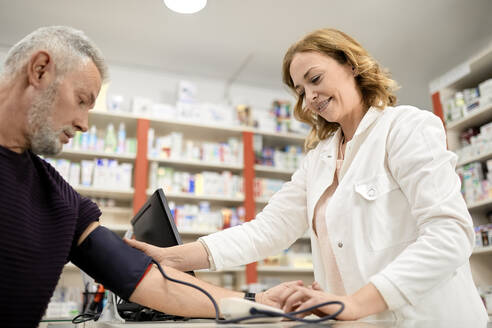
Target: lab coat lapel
(323, 173)
(354, 145)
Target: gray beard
(44, 140)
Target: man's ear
(40, 69)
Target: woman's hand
(157, 253)
(273, 295)
(364, 302)
(300, 298)
(186, 257)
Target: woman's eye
(315, 79)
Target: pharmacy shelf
(120, 194)
(282, 269)
(273, 170)
(177, 124)
(231, 129)
(196, 232)
(477, 158)
(110, 116)
(262, 201)
(284, 136)
(197, 164)
(103, 118)
(483, 205)
(187, 125)
(482, 250)
(83, 154)
(116, 210)
(469, 74)
(477, 117)
(210, 198)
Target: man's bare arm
(156, 292)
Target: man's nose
(82, 123)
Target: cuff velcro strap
(104, 256)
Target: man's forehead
(86, 76)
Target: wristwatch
(250, 296)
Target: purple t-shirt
(41, 219)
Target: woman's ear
(355, 72)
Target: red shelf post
(249, 197)
(140, 173)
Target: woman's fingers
(148, 249)
(304, 305)
(136, 244)
(316, 286)
(297, 294)
(287, 291)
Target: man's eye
(315, 79)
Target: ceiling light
(185, 6)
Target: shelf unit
(478, 116)
(118, 194)
(484, 205)
(482, 250)
(478, 158)
(467, 75)
(197, 164)
(193, 197)
(87, 154)
(117, 218)
(273, 171)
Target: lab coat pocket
(375, 187)
(384, 209)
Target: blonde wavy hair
(375, 84)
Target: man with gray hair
(51, 80)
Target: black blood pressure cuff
(110, 261)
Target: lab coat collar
(330, 146)
(329, 150)
(370, 117)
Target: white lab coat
(397, 218)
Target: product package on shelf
(475, 184)
(483, 235)
(265, 188)
(286, 157)
(174, 146)
(475, 142)
(99, 140)
(465, 102)
(298, 256)
(205, 183)
(201, 218)
(101, 173)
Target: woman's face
(328, 88)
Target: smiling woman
(363, 83)
(390, 232)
